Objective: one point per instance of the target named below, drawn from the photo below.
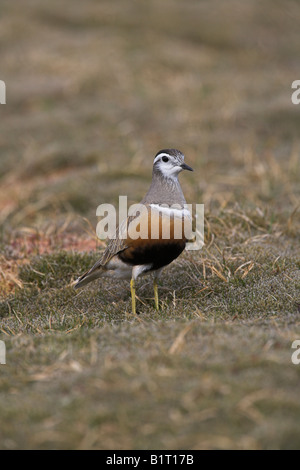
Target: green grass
(93, 93)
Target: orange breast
(155, 237)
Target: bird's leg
(132, 288)
(155, 287)
(155, 293)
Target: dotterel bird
(165, 221)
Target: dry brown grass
(93, 91)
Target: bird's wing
(115, 246)
(122, 239)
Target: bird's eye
(165, 159)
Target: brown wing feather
(117, 244)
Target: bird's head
(170, 162)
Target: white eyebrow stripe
(171, 210)
(161, 155)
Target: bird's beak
(184, 166)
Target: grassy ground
(93, 92)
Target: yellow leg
(132, 288)
(155, 293)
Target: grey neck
(164, 191)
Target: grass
(102, 89)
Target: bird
(164, 215)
